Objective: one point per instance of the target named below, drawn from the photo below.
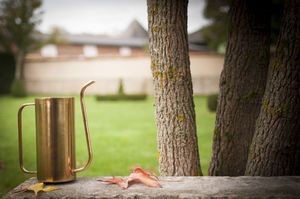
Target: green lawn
(123, 135)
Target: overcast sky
(106, 16)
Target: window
(125, 51)
(90, 51)
(49, 50)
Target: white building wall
(67, 77)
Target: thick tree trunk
(175, 114)
(275, 149)
(242, 86)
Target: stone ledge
(176, 187)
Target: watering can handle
(86, 128)
(20, 138)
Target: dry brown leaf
(138, 175)
(144, 177)
(119, 181)
(144, 172)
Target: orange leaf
(119, 181)
(138, 175)
(145, 173)
(145, 179)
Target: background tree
(175, 114)
(216, 11)
(57, 35)
(215, 33)
(18, 19)
(242, 85)
(275, 148)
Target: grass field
(123, 135)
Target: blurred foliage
(276, 15)
(212, 102)
(57, 36)
(7, 67)
(18, 19)
(216, 32)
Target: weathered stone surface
(176, 187)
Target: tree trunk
(275, 149)
(242, 86)
(175, 114)
(19, 59)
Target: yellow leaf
(40, 187)
(36, 187)
(47, 189)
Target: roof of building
(135, 30)
(196, 41)
(196, 37)
(134, 36)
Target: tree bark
(275, 149)
(175, 114)
(19, 59)
(242, 86)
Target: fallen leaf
(50, 188)
(138, 175)
(36, 187)
(144, 172)
(40, 187)
(144, 177)
(119, 181)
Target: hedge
(119, 97)
(212, 102)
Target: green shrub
(18, 88)
(212, 102)
(119, 97)
(121, 88)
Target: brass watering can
(55, 138)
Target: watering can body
(55, 138)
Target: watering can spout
(86, 127)
(85, 86)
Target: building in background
(62, 67)
(133, 42)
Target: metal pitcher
(55, 138)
